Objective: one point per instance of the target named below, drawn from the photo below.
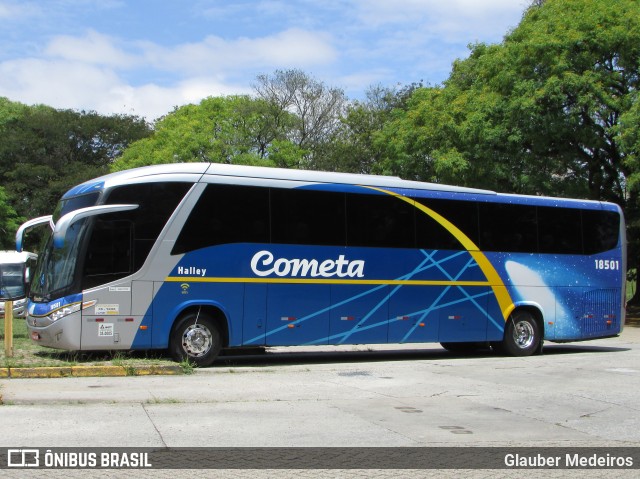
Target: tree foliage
(44, 152)
(9, 222)
(314, 108)
(288, 124)
(233, 129)
(539, 113)
(350, 146)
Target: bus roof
(195, 171)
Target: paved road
(582, 394)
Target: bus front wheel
(196, 338)
(522, 335)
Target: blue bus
(197, 257)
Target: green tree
(351, 145)
(233, 129)
(9, 111)
(536, 114)
(44, 151)
(9, 222)
(303, 111)
(424, 139)
(576, 68)
(629, 134)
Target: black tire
(522, 335)
(195, 338)
(464, 348)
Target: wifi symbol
(185, 288)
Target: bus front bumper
(61, 334)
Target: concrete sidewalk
(579, 394)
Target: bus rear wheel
(195, 338)
(522, 335)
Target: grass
(26, 353)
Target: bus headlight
(62, 312)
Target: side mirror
(64, 223)
(31, 224)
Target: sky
(145, 57)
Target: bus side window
(109, 256)
(300, 216)
(226, 214)
(601, 231)
(462, 214)
(508, 228)
(380, 221)
(559, 230)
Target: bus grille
(601, 312)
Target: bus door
(120, 318)
(108, 323)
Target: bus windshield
(11, 285)
(56, 268)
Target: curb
(90, 371)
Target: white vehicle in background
(15, 269)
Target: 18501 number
(613, 264)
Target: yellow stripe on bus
(288, 280)
(499, 289)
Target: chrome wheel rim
(197, 340)
(523, 334)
